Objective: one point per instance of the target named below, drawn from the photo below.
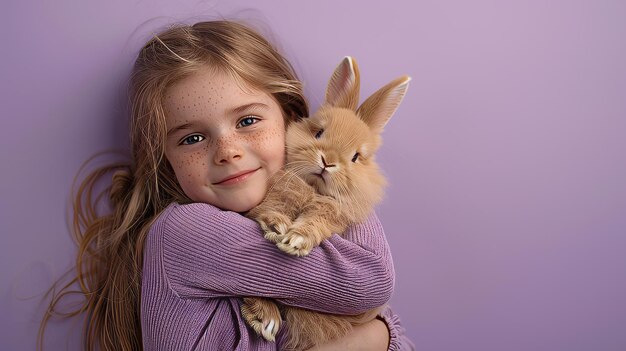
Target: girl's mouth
(238, 178)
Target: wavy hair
(110, 247)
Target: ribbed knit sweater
(199, 261)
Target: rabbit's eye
(319, 133)
(355, 157)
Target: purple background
(506, 212)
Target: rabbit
(330, 181)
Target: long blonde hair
(110, 247)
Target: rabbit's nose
(326, 165)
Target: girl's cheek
(198, 162)
(268, 139)
(182, 174)
(189, 167)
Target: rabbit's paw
(275, 225)
(295, 243)
(263, 316)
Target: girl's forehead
(209, 88)
(208, 82)
(208, 92)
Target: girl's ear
(378, 108)
(343, 87)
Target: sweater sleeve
(398, 341)
(212, 253)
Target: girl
(166, 270)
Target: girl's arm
(397, 339)
(212, 253)
(371, 336)
(383, 333)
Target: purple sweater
(199, 261)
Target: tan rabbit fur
(330, 181)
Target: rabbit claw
(274, 226)
(262, 316)
(295, 244)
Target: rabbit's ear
(343, 87)
(378, 108)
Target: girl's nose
(227, 150)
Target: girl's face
(223, 142)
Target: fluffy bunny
(330, 181)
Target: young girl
(166, 270)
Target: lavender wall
(507, 207)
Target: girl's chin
(244, 206)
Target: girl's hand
(371, 336)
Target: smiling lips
(237, 177)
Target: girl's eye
(319, 134)
(248, 121)
(193, 139)
(355, 157)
